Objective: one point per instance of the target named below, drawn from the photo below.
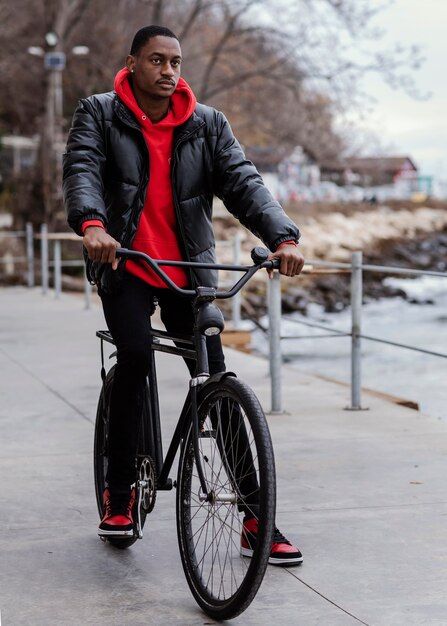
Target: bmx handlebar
(259, 256)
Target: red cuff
(88, 223)
(287, 243)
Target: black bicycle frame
(201, 295)
(163, 465)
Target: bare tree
(279, 69)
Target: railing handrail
(356, 268)
(274, 295)
(381, 269)
(12, 233)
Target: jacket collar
(124, 113)
(127, 117)
(188, 128)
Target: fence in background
(56, 262)
(9, 260)
(355, 268)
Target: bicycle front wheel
(237, 459)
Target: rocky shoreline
(425, 252)
(413, 238)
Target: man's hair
(144, 34)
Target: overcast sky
(415, 128)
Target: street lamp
(52, 134)
(52, 39)
(36, 51)
(80, 50)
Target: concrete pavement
(362, 493)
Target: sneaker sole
(285, 562)
(246, 552)
(124, 534)
(273, 560)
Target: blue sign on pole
(54, 61)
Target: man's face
(156, 67)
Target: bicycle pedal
(207, 434)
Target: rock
(295, 299)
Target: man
(141, 167)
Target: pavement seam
(327, 599)
(46, 386)
(360, 508)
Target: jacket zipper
(181, 140)
(126, 243)
(130, 124)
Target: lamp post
(52, 129)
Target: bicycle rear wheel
(100, 456)
(238, 463)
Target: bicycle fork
(205, 494)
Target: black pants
(127, 314)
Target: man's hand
(291, 260)
(100, 246)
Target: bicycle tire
(209, 533)
(100, 455)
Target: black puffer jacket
(106, 173)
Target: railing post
(44, 257)
(274, 303)
(87, 291)
(356, 330)
(57, 269)
(30, 254)
(236, 301)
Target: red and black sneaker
(282, 553)
(118, 519)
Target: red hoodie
(157, 233)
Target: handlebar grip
(275, 264)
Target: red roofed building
(373, 172)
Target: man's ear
(130, 62)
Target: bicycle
(226, 465)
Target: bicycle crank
(146, 490)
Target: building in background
(381, 176)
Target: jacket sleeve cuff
(291, 242)
(88, 223)
(285, 239)
(89, 220)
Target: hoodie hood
(183, 101)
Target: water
(397, 371)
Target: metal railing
(356, 269)
(57, 262)
(9, 260)
(46, 264)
